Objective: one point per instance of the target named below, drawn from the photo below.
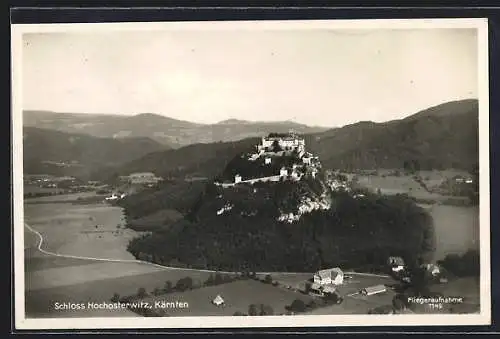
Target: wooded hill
(58, 153)
(445, 136)
(354, 233)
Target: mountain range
(444, 136)
(171, 132)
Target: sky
(322, 77)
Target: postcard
(246, 174)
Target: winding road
(135, 261)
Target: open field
(433, 179)
(238, 296)
(457, 229)
(71, 229)
(81, 230)
(294, 280)
(50, 279)
(405, 184)
(356, 304)
(63, 197)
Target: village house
(433, 269)
(396, 264)
(329, 276)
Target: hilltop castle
(286, 142)
(271, 152)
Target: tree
(307, 288)
(238, 313)
(419, 279)
(399, 302)
(141, 292)
(266, 310)
(209, 281)
(464, 265)
(115, 298)
(332, 298)
(168, 286)
(252, 310)
(297, 306)
(156, 291)
(184, 284)
(268, 279)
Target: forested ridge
(354, 233)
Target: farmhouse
(372, 290)
(433, 269)
(396, 264)
(329, 276)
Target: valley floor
(54, 273)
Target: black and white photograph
(251, 174)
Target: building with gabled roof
(218, 301)
(374, 290)
(329, 276)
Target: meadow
(95, 230)
(237, 295)
(390, 184)
(456, 229)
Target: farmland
(77, 281)
(238, 296)
(96, 230)
(80, 230)
(457, 229)
(70, 229)
(391, 184)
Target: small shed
(377, 289)
(218, 301)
